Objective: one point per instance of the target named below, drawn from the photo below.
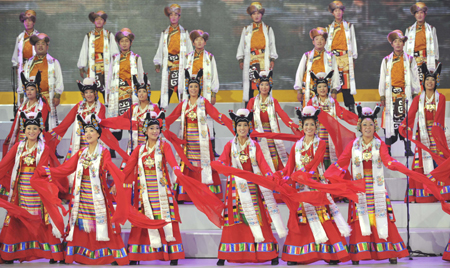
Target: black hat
(190, 80)
(263, 76)
(322, 78)
(151, 118)
(145, 85)
(31, 119)
(241, 115)
(92, 121)
(435, 74)
(36, 82)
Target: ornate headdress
(197, 80)
(88, 83)
(29, 14)
(151, 118)
(198, 33)
(241, 115)
(336, 4)
(36, 82)
(92, 121)
(172, 8)
(145, 85)
(318, 31)
(307, 113)
(263, 76)
(322, 78)
(396, 34)
(42, 36)
(367, 112)
(430, 73)
(31, 118)
(125, 32)
(94, 15)
(255, 6)
(419, 6)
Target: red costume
(17, 240)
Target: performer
(322, 100)
(265, 119)
(32, 103)
(23, 50)
(247, 235)
(429, 109)
(18, 241)
(317, 60)
(97, 51)
(342, 43)
(119, 85)
(320, 230)
(91, 236)
(256, 51)
(202, 59)
(194, 130)
(399, 81)
(138, 112)
(374, 234)
(422, 41)
(171, 55)
(51, 86)
(150, 159)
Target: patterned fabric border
(55, 135)
(447, 248)
(96, 254)
(313, 247)
(247, 247)
(341, 169)
(376, 247)
(146, 249)
(30, 245)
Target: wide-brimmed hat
(100, 13)
(336, 4)
(42, 36)
(172, 8)
(255, 6)
(29, 14)
(125, 32)
(396, 34)
(199, 33)
(419, 6)
(318, 31)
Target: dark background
(66, 22)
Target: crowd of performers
(328, 162)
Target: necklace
(367, 151)
(88, 158)
(190, 112)
(429, 105)
(242, 156)
(149, 162)
(263, 105)
(28, 109)
(305, 147)
(28, 154)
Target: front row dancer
(17, 241)
(152, 177)
(319, 231)
(374, 234)
(247, 235)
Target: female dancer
(91, 236)
(33, 103)
(429, 109)
(323, 100)
(194, 130)
(374, 234)
(315, 233)
(247, 235)
(19, 239)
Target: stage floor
(422, 262)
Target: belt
(339, 52)
(417, 53)
(150, 172)
(28, 169)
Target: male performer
(173, 47)
(256, 51)
(119, 83)
(97, 51)
(342, 43)
(317, 60)
(399, 81)
(24, 49)
(422, 39)
(202, 59)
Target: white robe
(432, 52)
(244, 49)
(17, 57)
(161, 59)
